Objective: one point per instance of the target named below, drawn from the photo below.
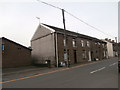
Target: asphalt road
(103, 74)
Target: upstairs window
(82, 43)
(88, 43)
(74, 42)
(98, 43)
(3, 47)
(65, 41)
(103, 45)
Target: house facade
(14, 54)
(48, 43)
(112, 47)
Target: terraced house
(48, 43)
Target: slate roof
(60, 30)
(3, 38)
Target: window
(74, 42)
(66, 55)
(65, 41)
(88, 43)
(103, 45)
(84, 54)
(82, 43)
(3, 47)
(98, 43)
(95, 43)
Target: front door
(89, 56)
(75, 57)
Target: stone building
(48, 43)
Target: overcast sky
(18, 20)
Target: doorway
(92, 56)
(75, 57)
(89, 53)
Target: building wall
(0, 62)
(0, 53)
(43, 49)
(92, 51)
(115, 49)
(110, 49)
(15, 55)
(43, 45)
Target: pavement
(13, 73)
(100, 74)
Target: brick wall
(95, 49)
(15, 55)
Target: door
(75, 57)
(92, 56)
(89, 53)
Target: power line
(87, 24)
(76, 18)
(49, 4)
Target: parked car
(119, 65)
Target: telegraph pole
(116, 39)
(65, 38)
(116, 45)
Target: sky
(18, 20)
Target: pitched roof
(15, 43)
(60, 30)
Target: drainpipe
(56, 49)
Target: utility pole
(65, 38)
(116, 39)
(116, 45)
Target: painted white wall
(110, 49)
(89, 56)
(43, 48)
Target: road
(101, 74)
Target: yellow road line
(47, 73)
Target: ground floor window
(66, 55)
(84, 54)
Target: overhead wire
(77, 18)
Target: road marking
(113, 64)
(47, 73)
(17, 72)
(97, 70)
(35, 75)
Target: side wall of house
(43, 47)
(0, 61)
(0, 53)
(110, 49)
(15, 55)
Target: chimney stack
(106, 39)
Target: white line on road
(97, 70)
(113, 64)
